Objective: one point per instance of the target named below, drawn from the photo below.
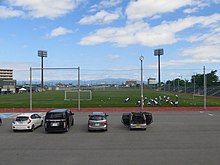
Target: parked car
(98, 121)
(58, 120)
(137, 120)
(27, 121)
(0, 121)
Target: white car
(27, 121)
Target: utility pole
(205, 88)
(142, 85)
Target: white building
(7, 84)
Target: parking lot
(173, 138)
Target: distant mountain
(118, 81)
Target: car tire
(67, 128)
(41, 124)
(32, 128)
(72, 123)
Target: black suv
(137, 120)
(58, 120)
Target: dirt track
(151, 109)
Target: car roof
(98, 114)
(137, 113)
(25, 114)
(57, 110)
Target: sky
(105, 38)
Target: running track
(150, 109)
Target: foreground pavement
(174, 138)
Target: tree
(211, 79)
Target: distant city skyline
(105, 38)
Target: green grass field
(114, 97)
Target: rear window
(22, 118)
(96, 118)
(55, 116)
(138, 119)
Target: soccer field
(109, 97)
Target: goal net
(73, 95)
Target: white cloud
(142, 33)
(213, 37)
(105, 4)
(9, 12)
(216, 1)
(46, 8)
(101, 17)
(140, 9)
(197, 5)
(172, 63)
(203, 52)
(59, 31)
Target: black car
(137, 120)
(0, 121)
(58, 120)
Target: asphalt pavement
(174, 138)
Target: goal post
(78, 82)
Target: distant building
(7, 84)
(131, 83)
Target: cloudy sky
(105, 38)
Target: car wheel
(72, 123)
(67, 128)
(32, 128)
(41, 124)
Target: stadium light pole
(158, 52)
(141, 58)
(42, 54)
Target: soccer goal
(73, 95)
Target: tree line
(211, 80)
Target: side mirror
(72, 113)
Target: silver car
(98, 121)
(137, 120)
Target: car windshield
(96, 118)
(55, 115)
(137, 119)
(22, 118)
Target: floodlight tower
(42, 54)
(158, 52)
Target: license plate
(54, 124)
(138, 126)
(97, 124)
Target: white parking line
(210, 114)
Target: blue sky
(106, 38)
